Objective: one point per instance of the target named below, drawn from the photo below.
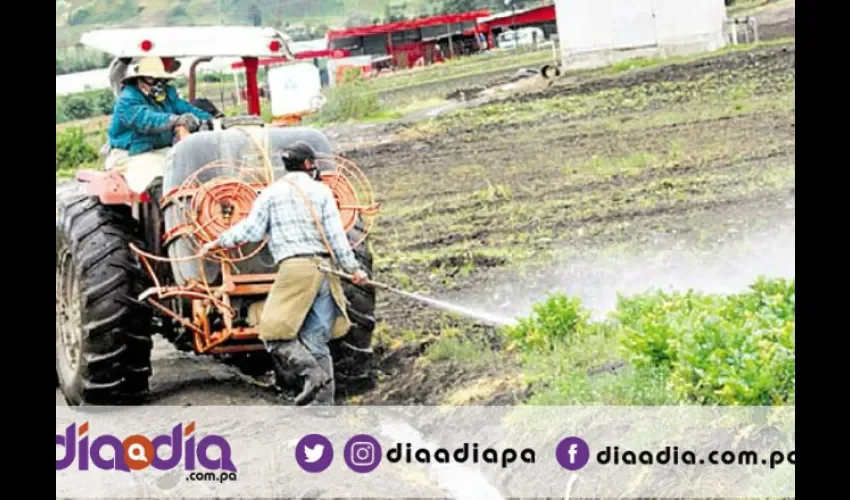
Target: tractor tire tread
(115, 364)
(361, 311)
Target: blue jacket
(140, 125)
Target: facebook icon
(572, 453)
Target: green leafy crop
(728, 350)
(556, 319)
(699, 348)
(72, 150)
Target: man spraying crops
(306, 308)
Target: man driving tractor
(119, 66)
(148, 114)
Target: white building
(82, 81)
(594, 33)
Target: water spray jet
(490, 319)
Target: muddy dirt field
(689, 157)
(612, 165)
(612, 161)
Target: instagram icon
(362, 453)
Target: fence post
(554, 39)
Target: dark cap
(297, 154)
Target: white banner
(425, 452)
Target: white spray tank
(296, 90)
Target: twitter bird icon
(314, 453)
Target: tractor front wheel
(103, 334)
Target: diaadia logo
(137, 452)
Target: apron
(291, 297)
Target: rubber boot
(283, 376)
(325, 395)
(298, 360)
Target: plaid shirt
(280, 212)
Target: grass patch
(350, 102)
(459, 68)
(628, 387)
(629, 64)
(472, 353)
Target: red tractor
(127, 241)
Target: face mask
(314, 172)
(159, 91)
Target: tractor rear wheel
(103, 334)
(353, 353)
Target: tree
(357, 19)
(395, 12)
(455, 6)
(64, 8)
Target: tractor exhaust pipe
(485, 318)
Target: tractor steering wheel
(181, 131)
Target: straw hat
(150, 67)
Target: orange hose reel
(221, 194)
(227, 198)
(353, 194)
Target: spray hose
(375, 284)
(482, 317)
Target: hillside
(301, 19)
(304, 18)
(76, 16)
